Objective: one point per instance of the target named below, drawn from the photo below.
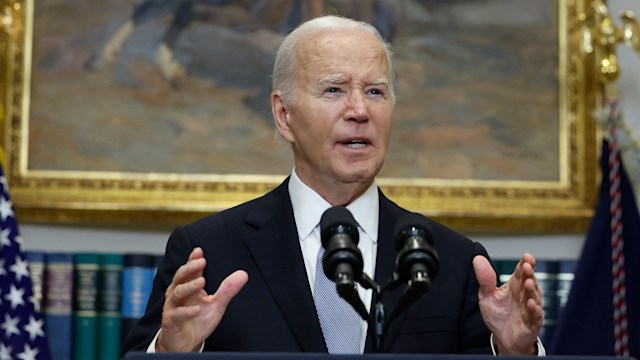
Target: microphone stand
(378, 320)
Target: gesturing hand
(189, 314)
(513, 312)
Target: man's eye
(332, 90)
(376, 92)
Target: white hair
(283, 78)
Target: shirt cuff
(539, 346)
(152, 347)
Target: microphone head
(415, 245)
(337, 220)
(412, 224)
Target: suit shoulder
(254, 211)
(450, 241)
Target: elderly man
(244, 279)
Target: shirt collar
(308, 208)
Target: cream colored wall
(73, 238)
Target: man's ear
(281, 115)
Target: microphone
(342, 260)
(417, 260)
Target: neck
(336, 193)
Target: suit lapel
(276, 250)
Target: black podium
(317, 356)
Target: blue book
(138, 272)
(58, 294)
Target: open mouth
(355, 144)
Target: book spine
(109, 306)
(85, 305)
(137, 280)
(37, 261)
(58, 295)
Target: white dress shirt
(308, 208)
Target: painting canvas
(158, 111)
(477, 85)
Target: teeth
(356, 145)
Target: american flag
(21, 324)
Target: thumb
(485, 275)
(230, 287)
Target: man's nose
(357, 107)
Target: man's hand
(189, 314)
(513, 312)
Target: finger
(535, 313)
(180, 315)
(183, 294)
(528, 258)
(532, 301)
(532, 291)
(196, 253)
(485, 275)
(526, 266)
(229, 288)
(187, 272)
(523, 271)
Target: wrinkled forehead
(337, 47)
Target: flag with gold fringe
(21, 324)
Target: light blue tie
(340, 323)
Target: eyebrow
(378, 82)
(333, 80)
(340, 80)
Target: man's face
(340, 119)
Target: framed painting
(154, 111)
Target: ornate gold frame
(469, 205)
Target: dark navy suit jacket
(275, 311)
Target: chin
(359, 176)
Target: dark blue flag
(21, 325)
(602, 316)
